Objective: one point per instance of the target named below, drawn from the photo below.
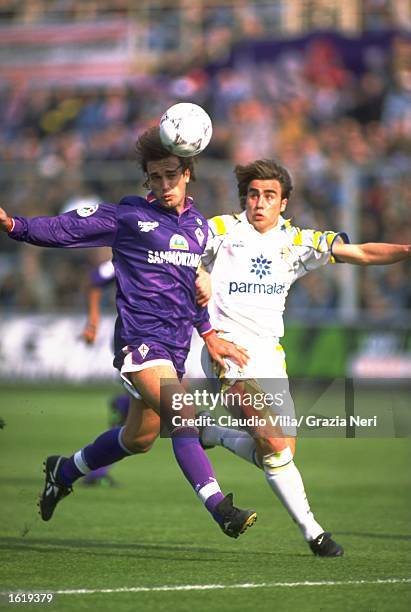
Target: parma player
(254, 257)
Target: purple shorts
(147, 355)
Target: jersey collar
(151, 199)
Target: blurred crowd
(232, 17)
(345, 135)
(229, 18)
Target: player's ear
(284, 203)
(187, 175)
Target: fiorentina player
(101, 276)
(157, 244)
(254, 257)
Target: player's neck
(268, 228)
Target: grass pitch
(151, 532)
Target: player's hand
(89, 334)
(203, 287)
(220, 348)
(5, 221)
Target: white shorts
(266, 359)
(266, 365)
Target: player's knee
(277, 460)
(267, 446)
(143, 446)
(139, 444)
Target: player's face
(168, 181)
(264, 204)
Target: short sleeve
(314, 248)
(218, 228)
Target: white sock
(238, 442)
(283, 477)
(287, 484)
(208, 490)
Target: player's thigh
(160, 388)
(269, 437)
(268, 445)
(156, 384)
(142, 426)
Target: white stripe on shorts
(129, 366)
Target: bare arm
(6, 222)
(203, 287)
(90, 331)
(371, 253)
(219, 348)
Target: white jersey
(253, 272)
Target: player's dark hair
(263, 169)
(150, 148)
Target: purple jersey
(155, 256)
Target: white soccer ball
(185, 129)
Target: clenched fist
(5, 221)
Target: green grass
(151, 531)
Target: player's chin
(169, 202)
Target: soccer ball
(185, 129)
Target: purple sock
(197, 468)
(105, 449)
(119, 409)
(97, 474)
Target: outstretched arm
(85, 227)
(371, 253)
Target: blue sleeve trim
(345, 239)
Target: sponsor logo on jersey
(199, 235)
(143, 350)
(257, 288)
(147, 226)
(261, 266)
(237, 245)
(199, 221)
(87, 211)
(178, 242)
(174, 257)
